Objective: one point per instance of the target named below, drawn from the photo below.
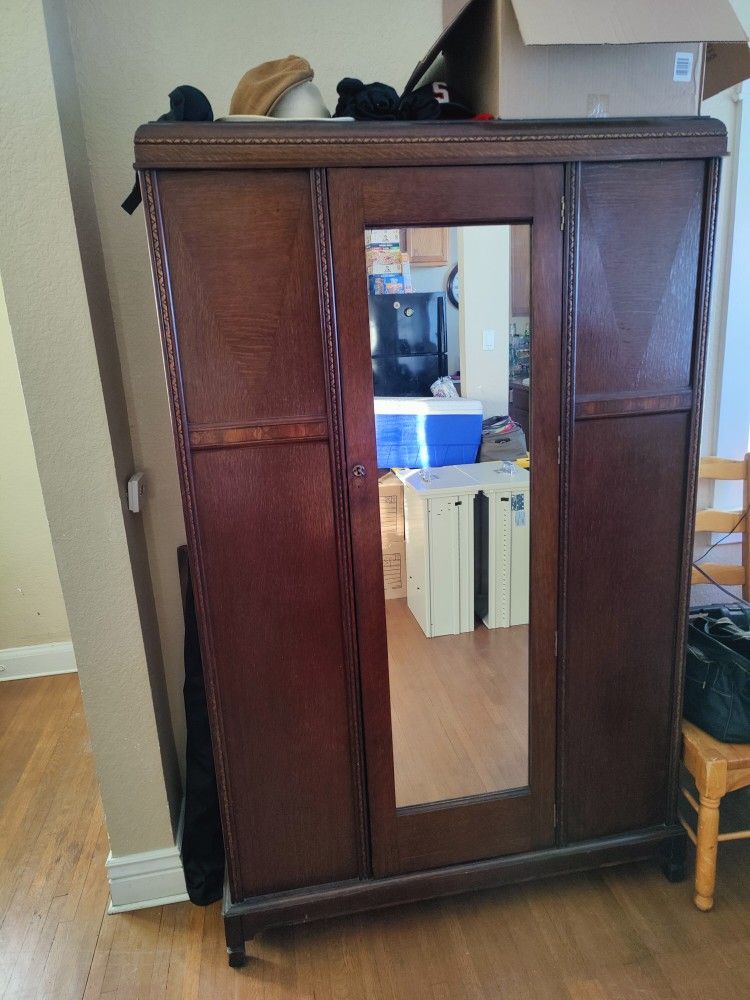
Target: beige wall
(59, 365)
(32, 610)
(128, 56)
(484, 304)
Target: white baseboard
(37, 661)
(152, 878)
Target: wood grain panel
(268, 548)
(626, 515)
(624, 403)
(640, 226)
(242, 261)
(264, 433)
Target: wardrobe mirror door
(450, 343)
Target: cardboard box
(381, 267)
(394, 568)
(579, 59)
(380, 256)
(386, 284)
(391, 491)
(374, 237)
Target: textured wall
(40, 263)
(128, 56)
(31, 602)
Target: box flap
(622, 22)
(727, 64)
(434, 51)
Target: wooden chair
(722, 521)
(716, 767)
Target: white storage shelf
(467, 546)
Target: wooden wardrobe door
(636, 380)
(430, 834)
(252, 393)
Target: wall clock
(453, 286)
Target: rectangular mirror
(450, 342)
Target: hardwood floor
(460, 708)
(621, 934)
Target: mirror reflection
(450, 342)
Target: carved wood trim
(571, 219)
(212, 145)
(155, 229)
(703, 312)
(341, 501)
(518, 135)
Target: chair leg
(706, 849)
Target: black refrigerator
(407, 342)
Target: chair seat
(736, 755)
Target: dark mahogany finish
(260, 484)
(637, 318)
(426, 836)
(640, 228)
(256, 242)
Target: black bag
(717, 680)
(202, 841)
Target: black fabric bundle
(379, 102)
(186, 104)
(202, 840)
(717, 678)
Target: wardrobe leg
(674, 867)
(235, 938)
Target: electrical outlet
(488, 340)
(136, 491)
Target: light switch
(488, 340)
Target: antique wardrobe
(257, 247)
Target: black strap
(134, 199)
(186, 104)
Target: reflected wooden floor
(623, 933)
(459, 705)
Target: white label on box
(393, 571)
(683, 67)
(389, 513)
(597, 106)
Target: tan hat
(262, 86)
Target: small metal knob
(359, 471)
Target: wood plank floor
(621, 934)
(460, 708)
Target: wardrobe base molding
(343, 898)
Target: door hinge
(562, 213)
(559, 447)
(555, 643)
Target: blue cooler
(416, 432)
